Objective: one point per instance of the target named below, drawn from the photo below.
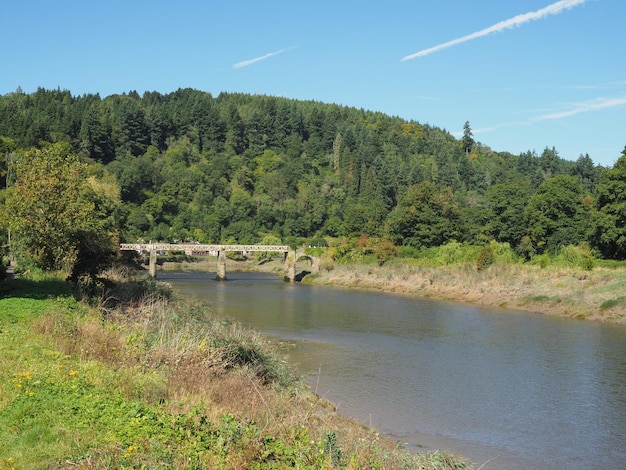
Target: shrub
(384, 251)
(503, 253)
(486, 257)
(363, 244)
(608, 304)
(318, 242)
(579, 256)
(407, 252)
(526, 248)
(450, 253)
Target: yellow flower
(130, 450)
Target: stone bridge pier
(220, 272)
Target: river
(511, 390)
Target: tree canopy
(237, 167)
(60, 217)
(609, 233)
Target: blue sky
(526, 74)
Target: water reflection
(526, 390)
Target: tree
(586, 172)
(468, 139)
(557, 215)
(426, 216)
(95, 138)
(550, 162)
(61, 218)
(506, 203)
(609, 235)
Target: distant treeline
(248, 169)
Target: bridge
(290, 256)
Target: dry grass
(554, 290)
(150, 345)
(570, 292)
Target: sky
(526, 74)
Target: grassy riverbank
(598, 294)
(140, 378)
(564, 291)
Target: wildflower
(130, 451)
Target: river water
(507, 389)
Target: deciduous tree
(426, 216)
(609, 235)
(557, 215)
(62, 219)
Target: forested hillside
(248, 169)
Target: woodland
(237, 168)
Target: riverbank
(142, 378)
(597, 295)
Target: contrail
(518, 20)
(592, 105)
(245, 63)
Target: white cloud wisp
(583, 107)
(245, 63)
(518, 20)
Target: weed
(149, 380)
(611, 303)
(332, 448)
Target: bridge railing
(201, 248)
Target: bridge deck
(200, 248)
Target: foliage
(576, 256)
(117, 391)
(192, 166)
(486, 257)
(506, 203)
(557, 215)
(609, 235)
(452, 252)
(384, 251)
(426, 216)
(60, 218)
(43, 204)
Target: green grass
(148, 381)
(608, 304)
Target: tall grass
(142, 378)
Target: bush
(576, 256)
(486, 257)
(450, 253)
(526, 248)
(384, 251)
(503, 253)
(407, 252)
(318, 242)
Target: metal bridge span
(219, 250)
